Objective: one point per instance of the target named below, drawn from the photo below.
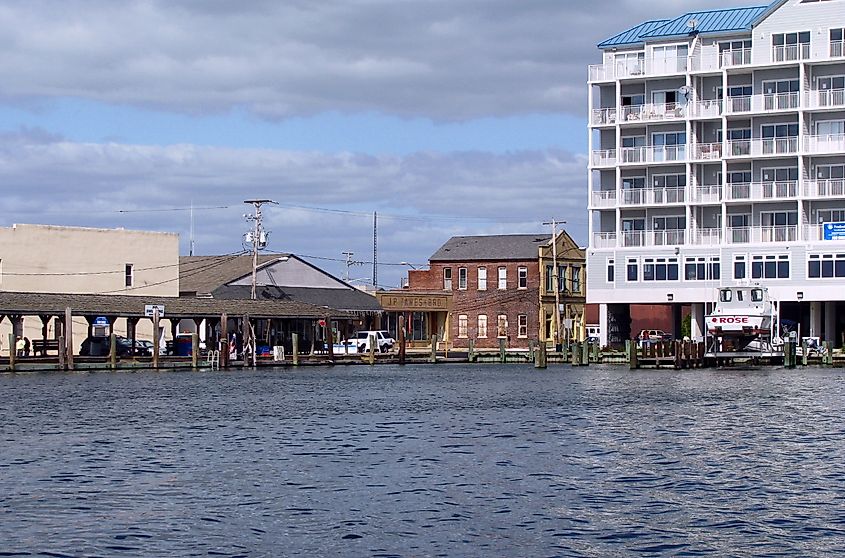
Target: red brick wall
(492, 302)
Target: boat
(742, 316)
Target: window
(779, 138)
(561, 278)
(669, 146)
(770, 267)
(739, 267)
(522, 276)
(781, 94)
(779, 226)
(503, 278)
(462, 278)
(447, 278)
(575, 276)
(550, 279)
(660, 269)
(502, 326)
(826, 266)
(836, 42)
(734, 53)
(702, 269)
(482, 326)
(462, 326)
(831, 90)
(482, 278)
(790, 46)
(611, 272)
(522, 321)
(632, 270)
(129, 275)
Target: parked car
(653, 336)
(384, 340)
(100, 346)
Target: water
(423, 461)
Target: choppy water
(424, 461)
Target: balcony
(604, 198)
(604, 240)
(638, 68)
(736, 57)
(603, 158)
(653, 196)
(604, 117)
(761, 191)
(762, 147)
(710, 108)
(653, 112)
(791, 53)
(833, 144)
(827, 98)
(837, 49)
(707, 151)
(829, 188)
(653, 154)
(757, 235)
(707, 194)
(773, 102)
(673, 237)
(707, 237)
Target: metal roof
(708, 22)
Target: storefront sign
(834, 231)
(401, 302)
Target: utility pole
(349, 263)
(258, 237)
(556, 278)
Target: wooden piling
(195, 350)
(373, 343)
(633, 356)
(585, 353)
(827, 357)
(61, 352)
(433, 357)
(503, 353)
(156, 337)
(224, 341)
(471, 350)
(294, 339)
(69, 338)
(113, 351)
(13, 352)
(804, 352)
(401, 334)
(575, 357)
(540, 358)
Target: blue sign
(834, 231)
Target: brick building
(494, 283)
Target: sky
(445, 117)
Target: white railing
(781, 101)
(708, 237)
(762, 190)
(707, 194)
(601, 72)
(604, 116)
(765, 146)
(653, 196)
(831, 187)
(770, 102)
(708, 108)
(837, 49)
(642, 67)
(791, 53)
(633, 238)
(707, 61)
(604, 240)
(653, 154)
(604, 198)
(665, 111)
(738, 148)
(737, 104)
(603, 157)
(672, 237)
(828, 143)
(707, 151)
(823, 98)
(736, 57)
(746, 235)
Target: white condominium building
(717, 157)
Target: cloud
(439, 59)
(422, 198)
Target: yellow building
(562, 291)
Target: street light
(412, 266)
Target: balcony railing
(653, 154)
(762, 190)
(604, 198)
(708, 237)
(736, 57)
(604, 116)
(708, 194)
(815, 233)
(709, 108)
(737, 104)
(635, 68)
(747, 235)
(831, 187)
(603, 157)
(828, 143)
(707, 151)
(604, 240)
(791, 53)
(765, 146)
(837, 49)
(671, 237)
(824, 98)
(771, 102)
(653, 196)
(652, 112)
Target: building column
(697, 321)
(830, 322)
(603, 325)
(815, 319)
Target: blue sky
(445, 116)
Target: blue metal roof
(709, 22)
(632, 35)
(713, 21)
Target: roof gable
(633, 35)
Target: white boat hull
(738, 325)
